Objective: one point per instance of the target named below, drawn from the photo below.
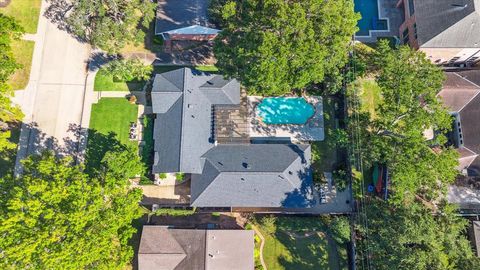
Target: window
(411, 8)
(405, 36)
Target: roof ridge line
(181, 118)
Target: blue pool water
(279, 110)
(369, 11)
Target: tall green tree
(9, 30)
(277, 46)
(411, 238)
(109, 24)
(55, 216)
(409, 84)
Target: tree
(9, 31)
(276, 46)
(409, 84)
(410, 237)
(129, 70)
(56, 217)
(108, 24)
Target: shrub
(162, 176)
(145, 181)
(174, 212)
(179, 176)
(340, 178)
(128, 70)
(340, 227)
(268, 224)
(158, 40)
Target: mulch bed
(4, 3)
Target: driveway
(53, 100)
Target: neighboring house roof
(461, 94)
(447, 23)
(257, 175)
(186, 249)
(183, 100)
(183, 17)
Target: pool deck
(313, 130)
(388, 10)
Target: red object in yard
(379, 185)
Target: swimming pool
(370, 17)
(284, 110)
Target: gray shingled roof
(176, 14)
(461, 95)
(447, 23)
(257, 175)
(183, 129)
(187, 249)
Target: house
(186, 249)
(184, 20)
(223, 174)
(447, 31)
(460, 94)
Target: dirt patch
(4, 3)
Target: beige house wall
(444, 55)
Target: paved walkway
(53, 99)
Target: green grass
(105, 82)
(114, 115)
(207, 68)
(26, 12)
(289, 248)
(23, 53)
(369, 93)
(324, 154)
(147, 150)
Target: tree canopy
(9, 30)
(411, 238)
(409, 84)
(276, 46)
(108, 24)
(57, 217)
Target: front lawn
(301, 243)
(23, 53)
(114, 115)
(26, 12)
(105, 82)
(324, 154)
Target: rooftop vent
(246, 165)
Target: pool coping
(285, 124)
(380, 18)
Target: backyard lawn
(369, 93)
(324, 153)
(114, 115)
(301, 243)
(26, 12)
(23, 52)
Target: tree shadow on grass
(98, 145)
(305, 244)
